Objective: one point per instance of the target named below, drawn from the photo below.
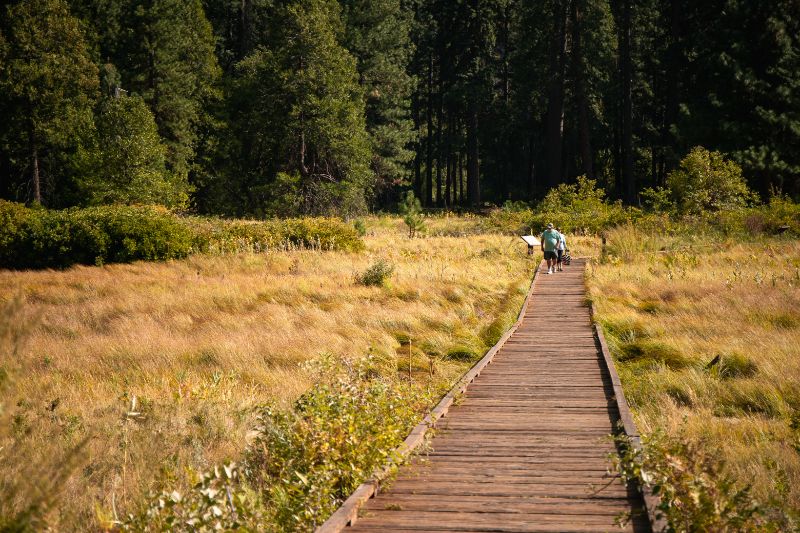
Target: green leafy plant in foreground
(696, 493)
(307, 461)
(301, 463)
(217, 502)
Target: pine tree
(377, 33)
(299, 114)
(128, 162)
(167, 56)
(47, 86)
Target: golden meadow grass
(200, 342)
(671, 307)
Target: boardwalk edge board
(651, 501)
(347, 514)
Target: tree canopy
(272, 107)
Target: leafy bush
(40, 238)
(360, 227)
(233, 236)
(706, 181)
(308, 460)
(377, 274)
(411, 210)
(579, 207)
(513, 217)
(219, 501)
(696, 492)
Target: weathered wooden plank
(525, 446)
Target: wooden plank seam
(658, 522)
(347, 513)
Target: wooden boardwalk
(526, 449)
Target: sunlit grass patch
(202, 342)
(705, 331)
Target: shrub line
(347, 514)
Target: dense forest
(285, 107)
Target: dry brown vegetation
(157, 366)
(706, 332)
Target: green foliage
(127, 163)
(218, 501)
(308, 460)
(377, 274)
(696, 493)
(40, 238)
(657, 199)
(513, 217)
(411, 210)
(579, 208)
(47, 87)
(299, 116)
(168, 58)
(377, 33)
(360, 226)
(234, 236)
(706, 181)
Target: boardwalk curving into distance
(526, 448)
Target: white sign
(530, 240)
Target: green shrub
(706, 181)
(41, 238)
(513, 217)
(580, 207)
(411, 210)
(219, 501)
(308, 460)
(696, 493)
(360, 226)
(235, 236)
(377, 274)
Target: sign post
(531, 241)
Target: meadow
(134, 377)
(705, 330)
(129, 383)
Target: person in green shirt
(550, 240)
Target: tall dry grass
(152, 370)
(706, 333)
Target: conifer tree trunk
(428, 198)
(449, 162)
(34, 154)
(473, 170)
(37, 183)
(531, 165)
(584, 132)
(418, 151)
(626, 72)
(460, 179)
(555, 93)
(439, 147)
(674, 73)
